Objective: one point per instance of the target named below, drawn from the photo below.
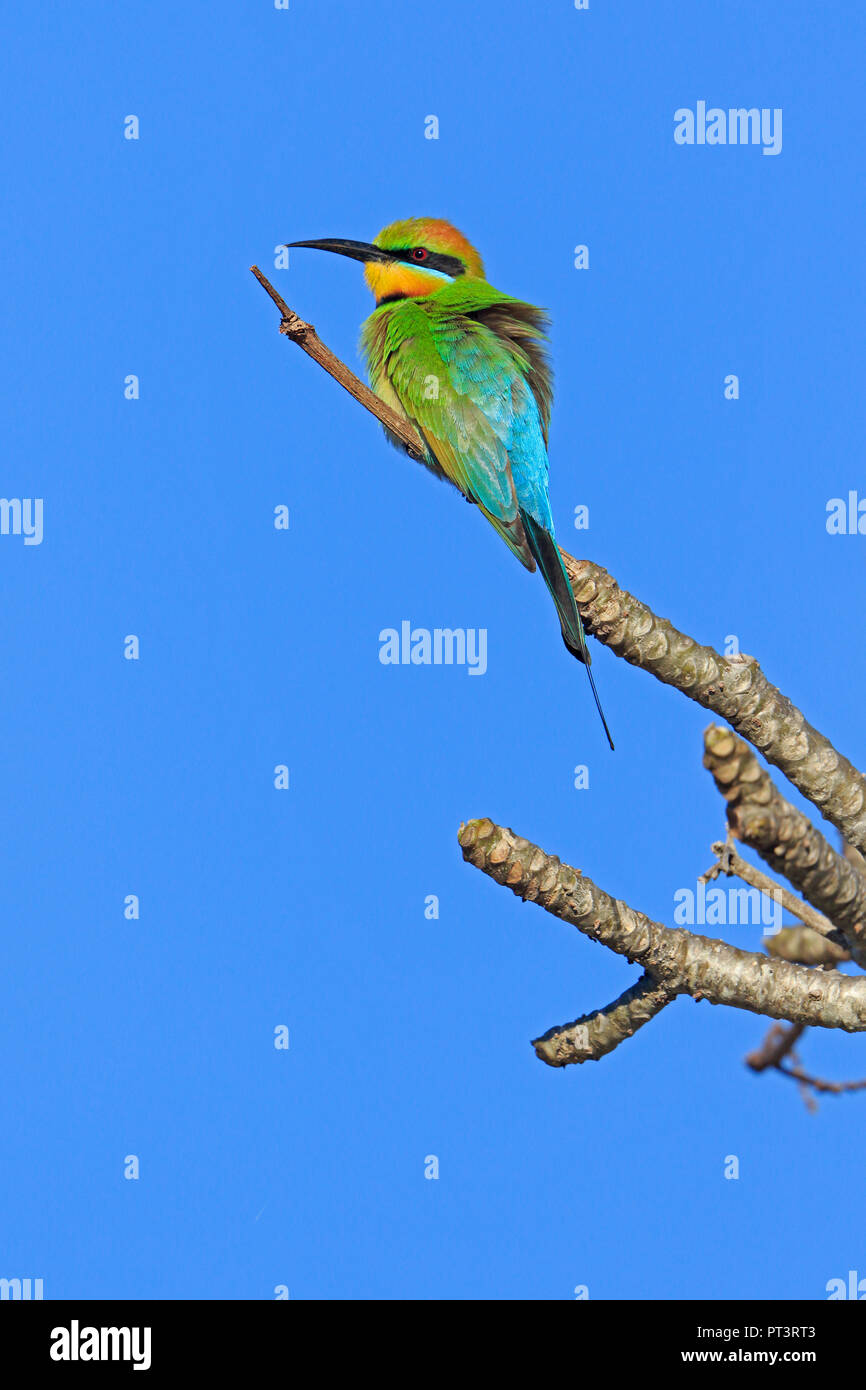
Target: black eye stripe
(434, 260)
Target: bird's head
(409, 259)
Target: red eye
(420, 253)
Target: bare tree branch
(805, 947)
(786, 839)
(685, 963)
(592, 1036)
(734, 687)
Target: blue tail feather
(546, 554)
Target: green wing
(459, 381)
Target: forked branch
(681, 961)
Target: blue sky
(305, 908)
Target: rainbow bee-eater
(467, 366)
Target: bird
(468, 367)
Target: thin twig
(776, 1045)
(731, 863)
(826, 1088)
(779, 1044)
(305, 335)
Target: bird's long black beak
(356, 250)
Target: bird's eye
(420, 253)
